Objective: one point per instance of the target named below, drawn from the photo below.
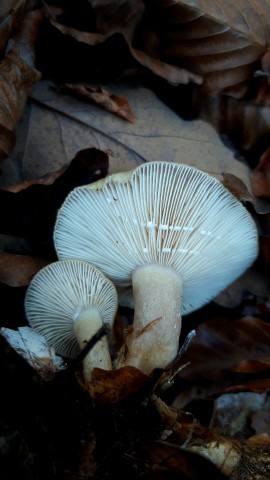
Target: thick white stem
(154, 341)
(86, 324)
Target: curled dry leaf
(131, 57)
(100, 96)
(223, 44)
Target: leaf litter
(213, 414)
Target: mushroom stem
(154, 339)
(86, 324)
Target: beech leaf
(158, 134)
(172, 73)
(221, 350)
(222, 42)
(34, 349)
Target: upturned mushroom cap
(171, 214)
(61, 292)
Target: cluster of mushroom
(169, 234)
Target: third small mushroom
(172, 233)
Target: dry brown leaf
(254, 281)
(224, 344)
(100, 96)
(235, 118)
(167, 461)
(16, 81)
(221, 350)
(236, 459)
(260, 177)
(25, 36)
(263, 93)
(172, 73)
(236, 187)
(118, 16)
(34, 349)
(11, 13)
(18, 270)
(112, 387)
(47, 179)
(158, 133)
(17, 76)
(223, 42)
(260, 385)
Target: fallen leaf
(241, 415)
(260, 177)
(171, 461)
(222, 44)
(11, 13)
(32, 210)
(237, 187)
(234, 458)
(158, 134)
(247, 339)
(34, 349)
(118, 16)
(17, 76)
(223, 349)
(111, 56)
(16, 81)
(18, 270)
(112, 387)
(99, 95)
(47, 179)
(254, 281)
(25, 36)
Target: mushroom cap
(161, 212)
(59, 292)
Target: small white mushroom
(169, 231)
(67, 302)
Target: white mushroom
(169, 230)
(67, 302)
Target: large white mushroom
(67, 302)
(172, 232)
